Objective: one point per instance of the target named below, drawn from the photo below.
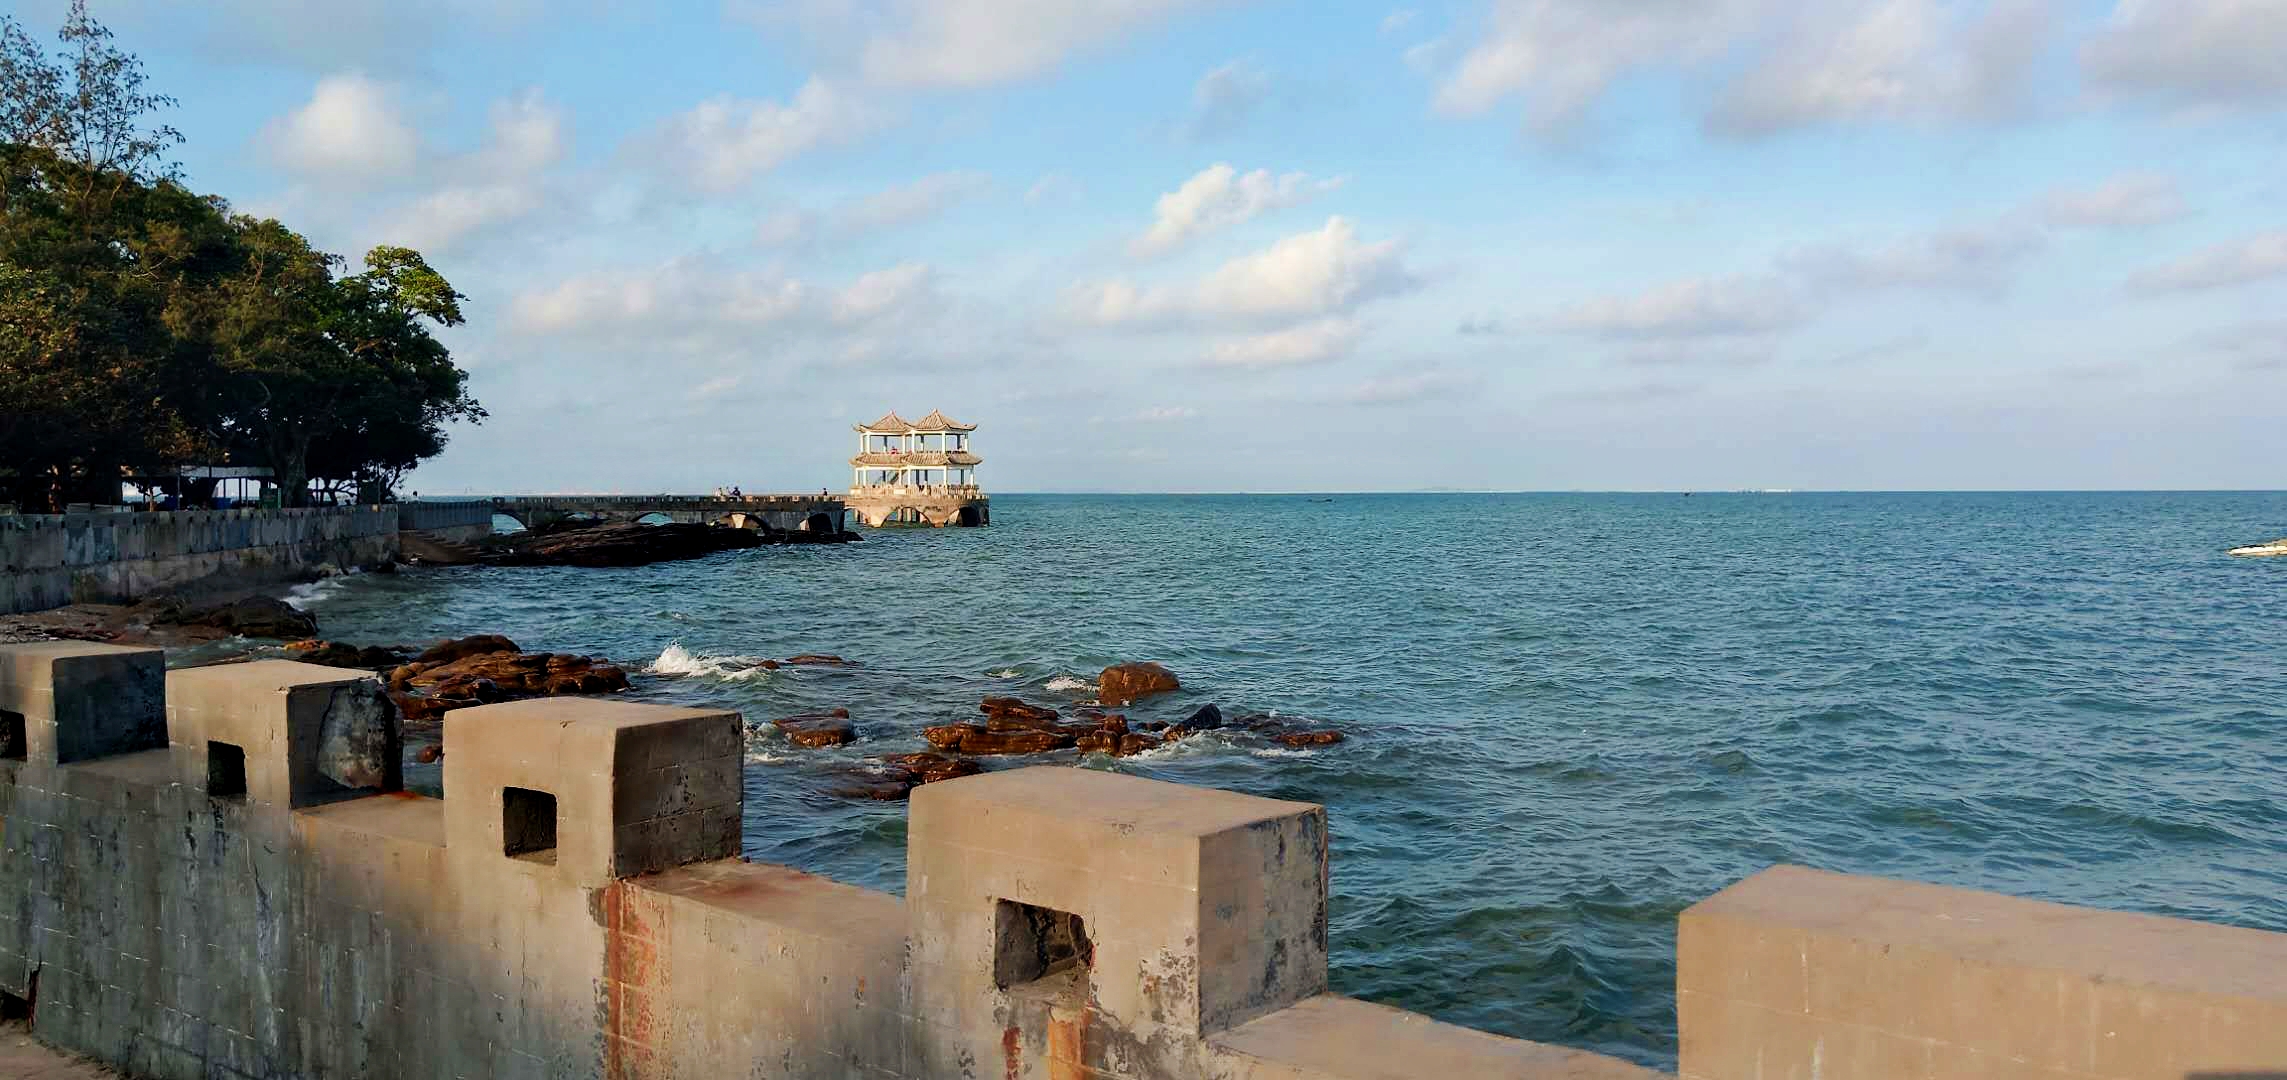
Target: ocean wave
(677, 660)
(1065, 684)
(309, 594)
(1004, 673)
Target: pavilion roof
(937, 422)
(891, 424)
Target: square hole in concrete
(225, 770)
(1040, 945)
(528, 824)
(15, 742)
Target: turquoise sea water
(1571, 715)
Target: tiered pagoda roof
(936, 423)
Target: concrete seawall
(49, 560)
(210, 873)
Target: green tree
(143, 325)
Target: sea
(1569, 716)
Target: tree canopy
(144, 327)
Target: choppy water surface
(1572, 715)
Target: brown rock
(817, 660)
(1123, 683)
(1098, 742)
(445, 652)
(816, 730)
(1011, 707)
(253, 616)
(1307, 738)
(430, 754)
(934, 767)
(1013, 742)
(1136, 744)
(949, 736)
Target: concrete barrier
(1797, 973)
(224, 881)
(49, 560)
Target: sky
(1191, 245)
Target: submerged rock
(815, 730)
(894, 776)
(1307, 738)
(1207, 718)
(337, 654)
(812, 660)
(1123, 683)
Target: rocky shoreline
(425, 684)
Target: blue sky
(1198, 246)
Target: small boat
(2276, 547)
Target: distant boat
(2275, 547)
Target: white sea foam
(309, 594)
(1005, 673)
(1068, 683)
(677, 660)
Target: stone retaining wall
(49, 560)
(210, 873)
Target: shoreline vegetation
(151, 335)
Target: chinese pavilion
(916, 472)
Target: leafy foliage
(143, 326)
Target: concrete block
(282, 734)
(628, 789)
(1199, 908)
(78, 701)
(1793, 970)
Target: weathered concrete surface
(49, 560)
(789, 513)
(1801, 973)
(252, 897)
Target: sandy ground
(23, 1059)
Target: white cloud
(1802, 63)
(1694, 307)
(725, 142)
(671, 298)
(1399, 389)
(1160, 414)
(2195, 52)
(1323, 272)
(1223, 99)
(2237, 263)
(1563, 54)
(873, 294)
(1306, 343)
(2123, 201)
(1219, 197)
(527, 134)
(350, 130)
(439, 220)
(1398, 20)
(785, 227)
(1966, 258)
(906, 203)
(1887, 58)
(966, 43)
(498, 183)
